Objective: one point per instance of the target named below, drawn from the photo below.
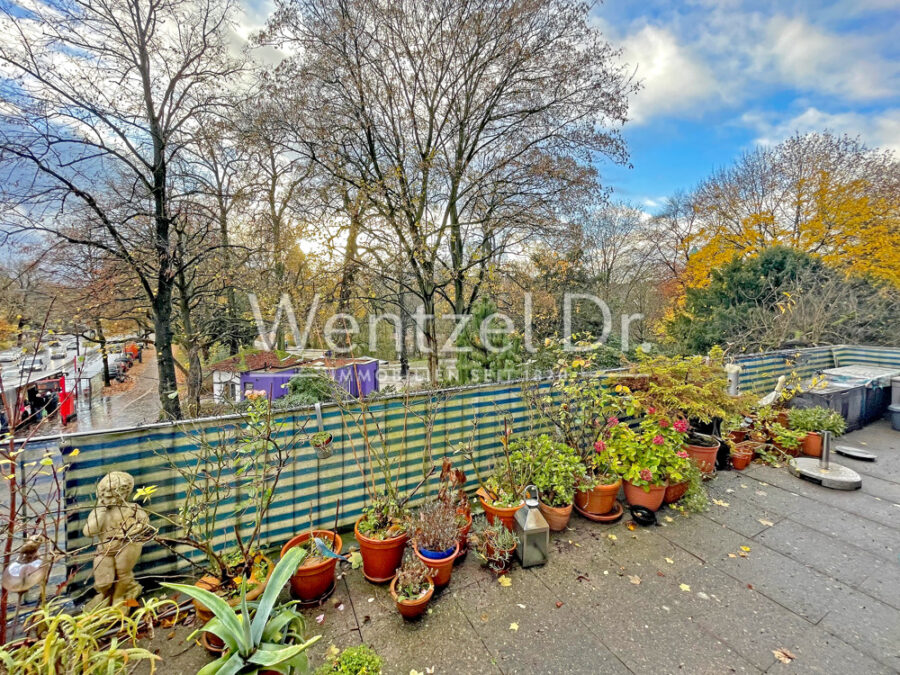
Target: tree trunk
(165, 361)
(101, 339)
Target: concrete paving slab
(820, 652)
(867, 624)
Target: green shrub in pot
(817, 420)
(556, 469)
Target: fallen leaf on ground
(415, 672)
(634, 578)
(743, 486)
(742, 554)
(484, 617)
(669, 560)
(371, 600)
(514, 626)
(340, 607)
(612, 537)
(669, 519)
(685, 588)
(631, 525)
(719, 502)
(320, 618)
(505, 580)
(761, 493)
(783, 655)
(767, 523)
(732, 555)
(559, 604)
(745, 549)
(520, 605)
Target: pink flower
(646, 475)
(651, 410)
(682, 453)
(658, 439)
(681, 426)
(664, 423)
(612, 421)
(599, 446)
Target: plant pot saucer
(306, 604)
(610, 517)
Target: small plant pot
(441, 567)
(464, 536)
(381, 557)
(324, 449)
(214, 584)
(812, 444)
(557, 517)
(637, 496)
(738, 435)
(742, 455)
(313, 581)
(506, 514)
(675, 492)
(783, 419)
(704, 456)
(507, 556)
(598, 500)
(412, 609)
(213, 643)
(793, 452)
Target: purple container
(274, 384)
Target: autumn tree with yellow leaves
(828, 195)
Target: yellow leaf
(670, 561)
(719, 502)
(612, 537)
(685, 588)
(746, 549)
(505, 580)
(514, 626)
(767, 523)
(732, 555)
(635, 579)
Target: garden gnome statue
(122, 528)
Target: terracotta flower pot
(381, 557)
(703, 455)
(464, 535)
(441, 568)
(506, 514)
(783, 419)
(212, 643)
(312, 581)
(412, 609)
(793, 452)
(598, 500)
(508, 555)
(812, 444)
(214, 584)
(637, 496)
(738, 435)
(675, 492)
(742, 455)
(557, 517)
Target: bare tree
(464, 124)
(100, 99)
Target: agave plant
(265, 641)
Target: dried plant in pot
(742, 454)
(501, 493)
(412, 588)
(434, 532)
(451, 491)
(494, 544)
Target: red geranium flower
(681, 426)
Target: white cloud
(674, 79)
(880, 129)
(809, 58)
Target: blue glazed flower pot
(437, 555)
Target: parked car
(9, 357)
(34, 363)
(57, 353)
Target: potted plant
(451, 491)
(644, 455)
(556, 469)
(241, 465)
(434, 534)
(501, 493)
(412, 588)
(742, 454)
(268, 639)
(676, 465)
(814, 421)
(321, 440)
(581, 404)
(381, 529)
(494, 544)
(313, 580)
(786, 440)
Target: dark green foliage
(497, 358)
(780, 298)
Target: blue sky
(721, 76)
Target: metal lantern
(533, 531)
